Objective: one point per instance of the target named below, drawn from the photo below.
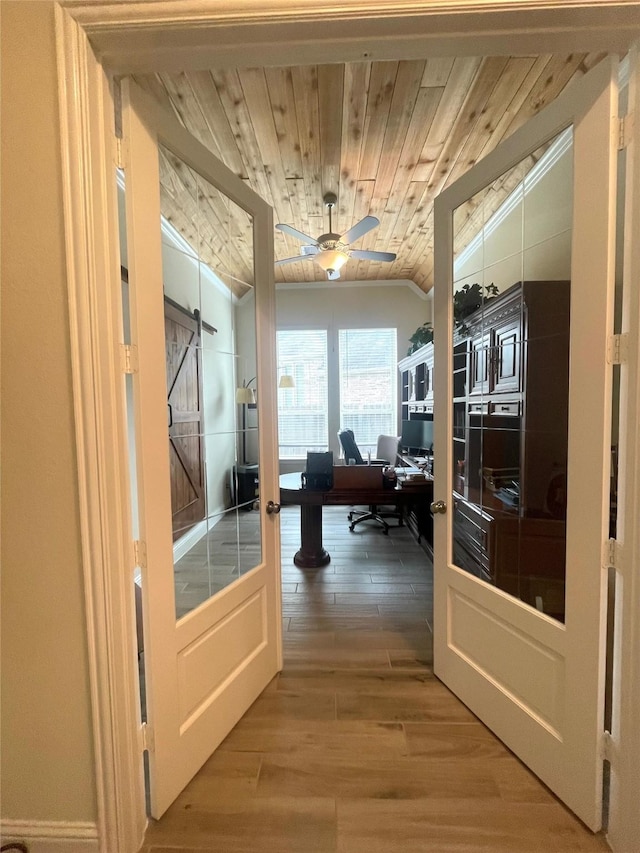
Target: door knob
(438, 506)
(272, 508)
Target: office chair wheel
(351, 527)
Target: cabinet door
(506, 360)
(480, 350)
(411, 395)
(428, 377)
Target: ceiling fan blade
(293, 260)
(333, 274)
(359, 229)
(293, 232)
(364, 255)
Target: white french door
(200, 239)
(523, 442)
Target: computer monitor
(417, 436)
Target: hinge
(625, 131)
(139, 554)
(129, 358)
(618, 349)
(611, 554)
(121, 151)
(147, 741)
(607, 747)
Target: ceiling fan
(331, 251)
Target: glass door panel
(519, 590)
(511, 270)
(200, 317)
(211, 369)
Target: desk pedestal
(311, 554)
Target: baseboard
(41, 836)
(183, 545)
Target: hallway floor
(355, 747)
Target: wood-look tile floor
(355, 747)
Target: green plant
(468, 299)
(422, 335)
(465, 301)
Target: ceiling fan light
(331, 259)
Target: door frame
(130, 36)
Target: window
(303, 410)
(368, 370)
(343, 379)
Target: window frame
(289, 463)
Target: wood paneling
(386, 137)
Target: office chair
(349, 447)
(387, 449)
(386, 453)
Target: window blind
(367, 388)
(368, 371)
(303, 410)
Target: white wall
(335, 306)
(354, 305)
(247, 369)
(532, 242)
(48, 767)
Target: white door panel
(212, 616)
(522, 642)
(624, 817)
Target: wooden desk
(312, 553)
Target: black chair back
(319, 473)
(350, 447)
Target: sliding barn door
(185, 414)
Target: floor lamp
(245, 396)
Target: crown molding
(342, 284)
(137, 37)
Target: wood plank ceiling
(385, 137)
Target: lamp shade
(286, 381)
(245, 395)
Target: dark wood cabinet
(495, 334)
(510, 442)
(419, 519)
(513, 417)
(479, 372)
(471, 531)
(510, 427)
(506, 355)
(416, 382)
(247, 485)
